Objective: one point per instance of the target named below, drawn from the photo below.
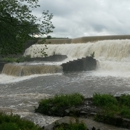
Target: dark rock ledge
(90, 123)
(86, 113)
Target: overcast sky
(78, 18)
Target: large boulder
(84, 64)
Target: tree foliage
(18, 24)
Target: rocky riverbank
(87, 110)
(89, 122)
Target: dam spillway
(16, 69)
(117, 50)
(112, 55)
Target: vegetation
(58, 104)
(104, 100)
(92, 55)
(108, 104)
(18, 24)
(71, 126)
(14, 122)
(108, 109)
(112, 108)
(16, 59)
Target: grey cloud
(88, 17)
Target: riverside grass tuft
(14, 122)
(70, 126)
(59, 103)
(112, 106)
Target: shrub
(112, 109)
(58, 104)
(125, 112)
(104, 100)
(125, 100)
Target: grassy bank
(70, 126)
(14, 122)
(57, 105)
(15, 59)
(109, 109)
(113, 110)
(113, 106)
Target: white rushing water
(6, 79)
(112, 55)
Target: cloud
(88, 17)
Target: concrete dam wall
(86, 39)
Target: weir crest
(111, 54)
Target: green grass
(125, 100)
(14, 122)
(58, 104)
(70, 126)
(16, 59)
(111, 106)
(104, 100)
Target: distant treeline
(63, 40)
(85, 39)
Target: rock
(88, 121)
(84, 64)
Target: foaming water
(20, 95)
(112, 55)
(24, 104)
(116, 50)
(6, 79)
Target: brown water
(19, 69)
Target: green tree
(18, 24)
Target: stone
(84, 64)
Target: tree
(18, 24)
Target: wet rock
(84, 64)
(91, 125)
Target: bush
(125, 100)
(112, 109)
(14, 122)
(104, 100)
(125, 112)
(58, 104)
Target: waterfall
(25, 70)
(111, 54)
